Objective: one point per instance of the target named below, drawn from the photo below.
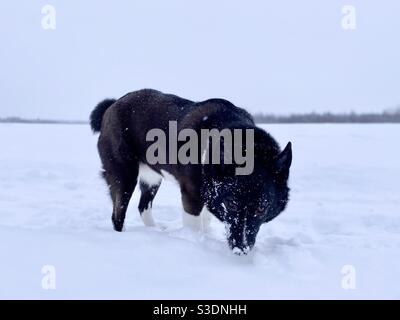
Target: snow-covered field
(344, 211)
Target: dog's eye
(232, 205)
(261, 208)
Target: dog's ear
(283, 162)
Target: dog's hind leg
(121, 189)
(121, 174)
(146, 202)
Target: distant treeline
(391, 116)
(327, 117)
(45, 121)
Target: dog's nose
(241, 251)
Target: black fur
(243, 203)
(96, 117)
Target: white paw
(147, 218)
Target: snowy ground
(344, 210)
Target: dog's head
(244, 202)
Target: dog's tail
(96, 117)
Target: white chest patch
(148, 175)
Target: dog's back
(131, 117)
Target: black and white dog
(242, 202)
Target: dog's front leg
(192, 206)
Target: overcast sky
(269, 56)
